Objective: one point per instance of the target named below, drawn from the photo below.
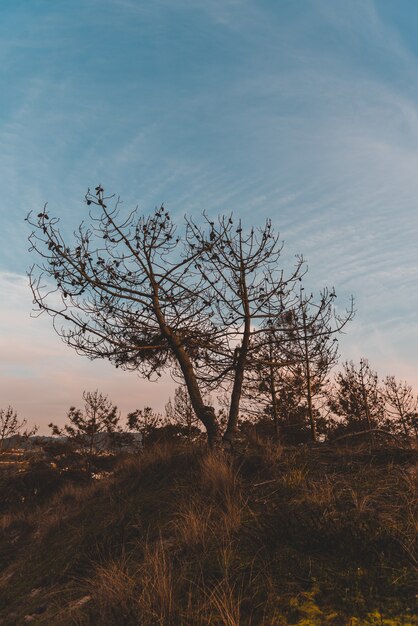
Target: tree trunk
(274, 404)
(366, 407)
(273, 393)
(208, 418)
(205, 414)
(308, 380)
(232, 426)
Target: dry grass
(272, 453)
(224, 604)
(295, 478)
(192, 525)
(158, 455)
(221, 482)
(321, 492)
(181, 536)
(113, 590)
(156, 599)
(218, 475)
(128, 592)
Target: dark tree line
(354, 402)
(364, 403)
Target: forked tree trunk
(232, 426)
(206, 414)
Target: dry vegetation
(177, 535)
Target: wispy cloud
(306, 113)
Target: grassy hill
(275, 536)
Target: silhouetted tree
(10, 425)
(297, 352)
(357, 399)
(275, 394)
(99, 416)
(401, 406)
(290, 386)
(132, 291)
(144, 421)
(128, 291)
(308, 340)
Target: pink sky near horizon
(41, 377)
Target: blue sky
(302, 111)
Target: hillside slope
(179, 536)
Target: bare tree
(131, 290)
(401, 405)
(99, 416)
(11, 425)
(127, 291)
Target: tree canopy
(202, 300)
